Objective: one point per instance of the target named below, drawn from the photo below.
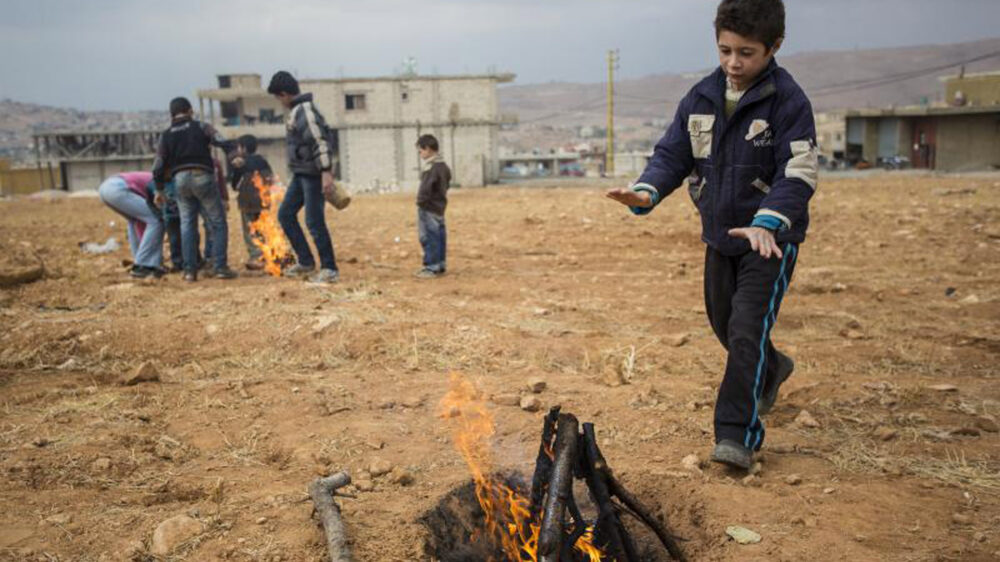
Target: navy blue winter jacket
(753, 168)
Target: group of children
(743, 139)
(186, 182)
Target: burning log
(560, 489)
(322, 491)
(543, 464)
(594, 465)
(521, 524)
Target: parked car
(572, 170)
(896, 163)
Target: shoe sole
(733, 460)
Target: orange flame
(509, 520)
(267, 232)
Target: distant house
(378, 121)
(962, 136)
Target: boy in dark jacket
(311, 161)
(432, 199)
(241, 178)
(745, 139)
(185, 150)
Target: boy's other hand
(761, 240)
(159, 199)
(327, 183)
(630, 198)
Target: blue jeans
(172, 225)
(434, 239)
(147, 251)
(198, 194)
(307, 191)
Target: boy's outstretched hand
(761, 240)
(630, 198)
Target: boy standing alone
(432, 199)
(745, 139)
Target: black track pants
(742, 297)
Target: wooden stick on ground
(322, 491)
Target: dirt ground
(893, 317)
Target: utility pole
(609, 162)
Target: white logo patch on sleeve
(804, 163)
(757, 126)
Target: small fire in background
(267, 232)
(509, 520)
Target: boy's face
(742, 58)
(425, 152)
(285, 99)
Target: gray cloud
(114, 54)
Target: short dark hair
(760, 20)
(179, 106)
(283, 83)
(428, 141)
(249, 143)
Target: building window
(405, 96)
(354, 102)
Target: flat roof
(920, 111)
(233, 94)
(74, 133)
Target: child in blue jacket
(745, 140)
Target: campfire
(267, 232)
(540, 522)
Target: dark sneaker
(175, 269)
(190, 276)
(298, 270)
(784, 370)
(224, 273)
(255, 265)
(140, 272)
(325, 277)
(732, 454)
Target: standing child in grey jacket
(432, 199)
(311, 161)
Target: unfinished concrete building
(86, 158)
(378, 121)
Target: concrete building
(949, 139)
(831, 135)
(961, 136)
(85, 158)
(378, 121)
(979, 89)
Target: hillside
(833, 79)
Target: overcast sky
(137, 54)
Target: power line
(866, 83)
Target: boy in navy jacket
(745, 140)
